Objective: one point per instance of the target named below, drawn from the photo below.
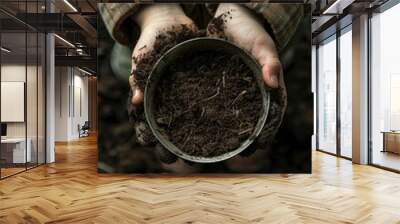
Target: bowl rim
(248, 59)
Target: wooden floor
(70, 191)
(386, 159)
(5, 172)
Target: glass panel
(13, 86)
(313, 86)
(346, 94)
(327, 96)
(41, 99)
(31, 100)
(385, 84)
(23, 82)
(32, 87)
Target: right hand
(153, 20)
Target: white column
(360, 90)
(50, 100)
(50, 92)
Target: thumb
(137, 94)
(265, 52)
(271, 71)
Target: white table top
(13, 140)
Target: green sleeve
(117, 19)
(283, 19)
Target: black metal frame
(0, 91)
(317, 93)
(338, 153)
(316, 97)
(44, 80)
(338, 98)
(387, 5)
(369, 125)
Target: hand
(243, 28)
(153, 20)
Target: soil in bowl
(207, 103)
(163, 42)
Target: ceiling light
(5, 50)
(80, 51)
(65, 41)
(84, 71)
(338, 6)
(70, 5)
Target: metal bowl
(196, 45)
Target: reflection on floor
(10, 169)
(386, 159)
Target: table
(391, 141)
(16, 147)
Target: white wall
(16, 73)
(12, 73)
(62, 81)
(81, 96)
(71, 102)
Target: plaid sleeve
(283, 19)
(115, 17)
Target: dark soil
(164, 41)
(168, 39)
(208, 103)
(216, 26)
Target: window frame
(336, 35)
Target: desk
(391, 141)
(16, 147)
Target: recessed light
(64, 40)
(84, 71)
(70, 5)
(5, 50)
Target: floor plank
(71, 191)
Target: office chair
(84, 130)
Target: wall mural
(204, 88)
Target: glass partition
(327, 95)
(346, 92)
(32, 98)
(385, 89)
(14, 144)
(22, 77)
(41, 96)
